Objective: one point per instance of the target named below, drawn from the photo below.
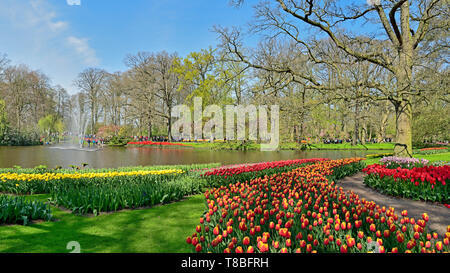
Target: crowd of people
(92, 139)
(153, 138)
(348, 140)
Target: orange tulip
(246, 241)
(250, 249)
(198, 247)
(439, 246)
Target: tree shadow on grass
(158, 229)
(161, 229)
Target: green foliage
(18, 210)
(119, 140)
(387, 185)
(12, 137)
(3, 119)
(430, 121)
(200, 72)
(113, 194)
(51, 124)
(346, 170)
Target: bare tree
(159, 82)
(396, 50)
(91, 82)
(3, 64)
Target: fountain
(79, 119)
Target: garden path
(438, 214)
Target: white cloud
(35, 34)
(81, 46)
(73, 2)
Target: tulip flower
(239, 249)
(439, 246)
(198, 247)
(216, 231)
(288, 242)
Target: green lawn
(293, 146)
(348, 146)
(431, 158)
(161, 229)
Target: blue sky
(61, 38)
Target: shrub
(427, 183)
(18, 210)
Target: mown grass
(160, 229)
(431, 158)
(289, 146)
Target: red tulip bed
(302, 211)
(151, 143)
(429, 183)
(232, 174)
(435, 150)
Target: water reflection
(118, 157)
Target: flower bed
(151, 143)
(245, 172)
(436, 150)
(17, 210)
(119, 193)
(32, 183)
(425, 183)
(393, 162)
(100, 190)
(303, 211)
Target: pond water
(109, 157)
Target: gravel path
(438, 214)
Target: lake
(109, 157)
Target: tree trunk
(383, 123)
(149, 133)
(403, 109)
(356, 132)
(403, 137)
(169, 125)
(363, 134)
